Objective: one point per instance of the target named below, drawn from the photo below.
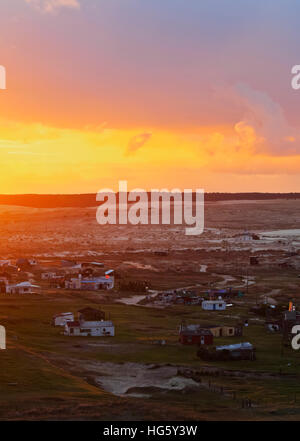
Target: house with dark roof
(225, 330)
(91, 322)
(195, 335)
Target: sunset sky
(161, 93)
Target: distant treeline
(89, 199)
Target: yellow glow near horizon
(41, 159)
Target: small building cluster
(196, 334)
(225, 330)
(27, 276)
(224, 294)
(90, 322)
(239, 351)
(106, 281)
(192, 297)
(179, 297)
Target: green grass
(33, 372)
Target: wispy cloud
(264, 126)
(137, 142)
(53, 5)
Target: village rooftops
(244, 345)
(97, 264)
(27, 284)
(23, 285)
(94, 279)
(21, 288)
(100, 276)
(195, 331)
(91, 314)
(73, 324)
(109, 272)
(63, 314)
(218, 326)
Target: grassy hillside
(46, 374)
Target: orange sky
(160, 96)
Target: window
(230, 331)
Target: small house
(100, 329)
(225, 331)
(72, 328)
(91, 322)
(214, 305)
(62, 319)
(195, 335)
(22, 288)
(239, 351)
(97, 283)
(92, 283)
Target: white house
(106, 281)
(91, 322)
(213, 305)
(62, 319)
(22, 288)
(96, 283)
(94, 329)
